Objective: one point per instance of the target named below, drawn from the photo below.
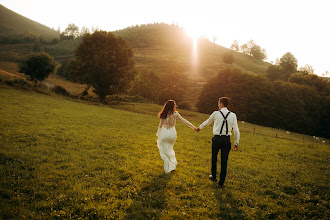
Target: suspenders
(223, 123)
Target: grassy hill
(13, 24)
(167, 48)
(165, 45)
(15, 27)
(157, 47)
(66, 159)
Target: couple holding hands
(224, 122)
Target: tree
(284, 68)
(84, 30)
(235, 46)
(71, 32)
(276, 72)
(68, 69)
(147, 85)
(322, 86)
(252, 49)
(307, 69)
(38, 66)
(228, 58)
(246, 48)
(173, 85)
(258, 53)
(289, 63)
(214, 39)
(257, 100)
(245, 90)
(326, 73)
(105, 62)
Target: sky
(300, 27)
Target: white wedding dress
(166, 138)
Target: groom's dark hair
(224, 100)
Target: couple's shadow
(228, 206)
(151, 200)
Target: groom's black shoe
(220, 186)
(212, 179)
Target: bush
(38, 66)
(184, 106)
(61, 91)
(19, 83)
(228, 58)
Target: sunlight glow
(194, 35)
(223, 21)
(194, 31)
(194, 53)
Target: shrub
(228, 58)
(19, 83)
(38, 66)
(184, 106)
(61, 91)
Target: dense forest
(294, 106)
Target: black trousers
(220, 143)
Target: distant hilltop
(13, 24)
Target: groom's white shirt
(218, 119)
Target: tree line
(105, 62)
(286, 98)
(295, 105)
(250, 48)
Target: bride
(167, 134)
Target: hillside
(162, 45)
(73, 160)
(160, 48)
(13, 24)
(174, 51)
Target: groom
(224, 122)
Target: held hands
(197, 129)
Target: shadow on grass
(228, 206)
(150, 201)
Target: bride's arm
(159, 128)
(178, 116)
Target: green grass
(66, 159)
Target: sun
(196, 29)
(194, 34)
(192, 31)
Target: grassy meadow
(67, 159)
